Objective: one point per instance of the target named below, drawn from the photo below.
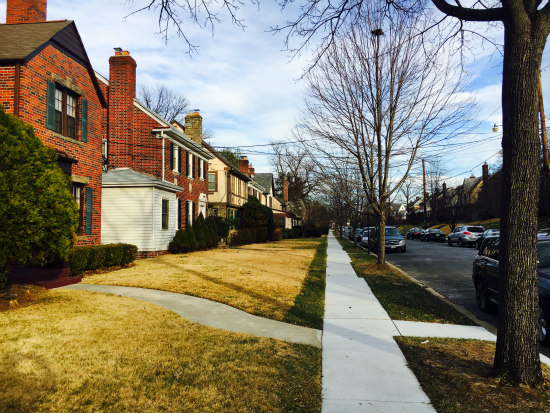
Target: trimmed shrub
(235, 238)
(212, 231)
(249, 236)
(261, 234)
(101, 256)
(190, 243)
(311, 231)
(277, 235)
(222, 226)
(200, 232)
(176, 245)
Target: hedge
(100, 256)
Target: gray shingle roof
(125, 177)
(264, 179)
(17, 41)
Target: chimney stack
(243, 165)
(26, 11)
(485, 173)
(251, 171)
(285, 190)
(193, 126)
(122, 92)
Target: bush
(235, 238)
(295, 232)
(184, 241)
(100, 256)
(200, 232)
(249, 236)
(38, 215)
(212, 230)
(277, 235)
(311, 231)
(222, 227)
(261, 234)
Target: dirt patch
(262, 279)
(21, 295)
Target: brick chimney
(243, 166)
(251, 171)
(485, 173)
(122, 92)
(193, 126)
(285, 189)
(25, 11)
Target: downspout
(17, 89)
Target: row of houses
(135, 176)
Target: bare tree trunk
(517, 352)
(382, 239)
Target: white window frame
(190, 164)
(176, 158)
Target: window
(175, 161)
(190, 166)
(212, 184)
(62, 107)
(201, 169)
(77, 191)
(190, 213)
(164, 214)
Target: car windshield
(392, 232)
(475, 229)
(435, 231)
(543, 254)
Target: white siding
(133, 215)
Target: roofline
(101, 77)
(232, 168)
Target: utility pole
(424, 180)
(544, 148)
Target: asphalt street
(448, 270)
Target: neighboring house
(227, 186)
(47, 81)
(141, 140)
(139, 208)
(282, 218)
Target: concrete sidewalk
(363, 368)
(211, 313)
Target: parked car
(394, 240)
(465, 235)
(433, 234)
(365, 238)
(543, 234)
(485, 277)
(347, 231)
(358, 234)
(414, 233)
(486, 233)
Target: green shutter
(89, 209)
(186, 163)
(84, 121)
(50, 105)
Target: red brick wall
(7, 84)
(25, 11)
(132, 144)
(32, 109)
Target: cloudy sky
(246, 86)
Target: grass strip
(457, 377)
(400, 296)
(308, 308)
(89, 352)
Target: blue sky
(244, 83)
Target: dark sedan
(414, 233)
(485, 277)
(486, 233)
(433, 234)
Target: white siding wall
(133, 216)
(164, 236)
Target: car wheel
(482, 299)
(449, 242)
(543, 327)
(459, 243)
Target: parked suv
(485, 277)
(465, 235)
(394, 240)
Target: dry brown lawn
(87, 352)
(262, 279)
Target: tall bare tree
(380, 94)
(164, 101)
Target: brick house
(47, 81)
(142, 141)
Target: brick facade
(134, 140)
(52, 64)
(25, 11)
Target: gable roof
(265, 180)
(19, 43)
(232, 168)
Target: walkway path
(363, 367)
(211, 313)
